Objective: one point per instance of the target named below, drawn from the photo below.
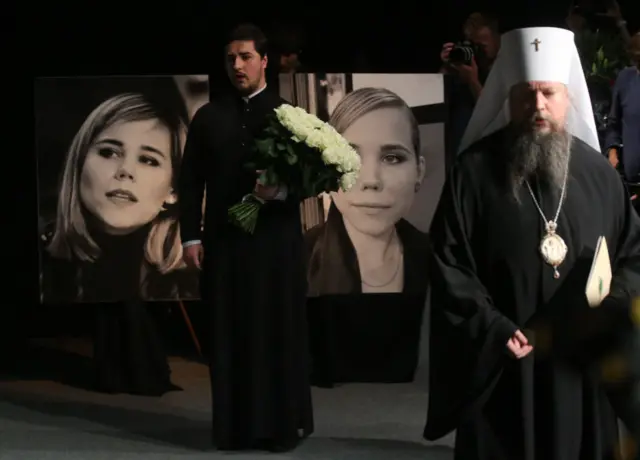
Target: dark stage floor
(46, 413)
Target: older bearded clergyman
(516, 352)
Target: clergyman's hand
(518, 345)
(614, 159)
(266, 192)
(193, 255)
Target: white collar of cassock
(254, 94)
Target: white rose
(331, 156)
(316, 140)
(348, 180)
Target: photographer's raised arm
(475, 86)
(468, 73)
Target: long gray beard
(545, 156)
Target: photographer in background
(603, 15)
(471, 60)
(623, 134)
(469, 63)
(288, 41)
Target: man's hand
(446, 50)
(614, 159)
(266, 192)
(468, 73)
(193, 255)
(518, 345)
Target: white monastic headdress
(533, 54)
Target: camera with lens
(463, 53)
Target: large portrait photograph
(367, 249)
(109, 151)
(373, 238)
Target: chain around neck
(560, 203)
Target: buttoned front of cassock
(246, 134)
(253, 285)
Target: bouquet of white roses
(302, 152)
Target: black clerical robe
(489, 280)
(253, 284)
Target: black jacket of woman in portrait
(115, 240)
(356, 337)
(367, 265)
(333, 262)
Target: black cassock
(254, 285)
(489, 280)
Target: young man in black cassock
(516, 353)
(253, 284)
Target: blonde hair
(365, 100)
(71, 237)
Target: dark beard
(545, 156)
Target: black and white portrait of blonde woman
(366, 246)
(113, 238)
(115, 221)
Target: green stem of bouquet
(245, 214)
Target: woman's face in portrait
(390, 171)
(126, 177)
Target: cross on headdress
(521, 59)
(536, 43)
